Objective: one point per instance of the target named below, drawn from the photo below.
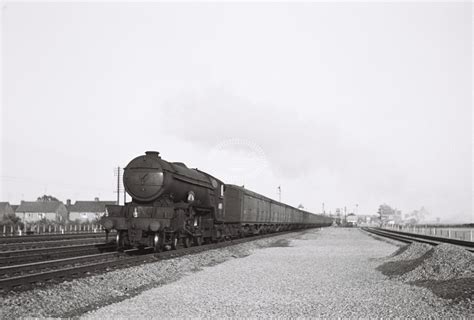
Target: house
(87, 211)
(351, 219)
(367, 219)
(33, 211)
(5, 210)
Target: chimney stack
(153, 154)
(68, 202)
(96, 198)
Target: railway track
(8, 258)
(52, 237)
(24, 276)
(50, 243)
(412, 237)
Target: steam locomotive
(174, 205)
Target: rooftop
(89, 206)
(39, 206)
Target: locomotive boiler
(173, 204)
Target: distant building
(87, 211)
(389, 215)
(34, 211)
(351, 219)
(5, 209)
(367, 219)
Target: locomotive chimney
(153, 153)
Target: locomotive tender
(173, 204)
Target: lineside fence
(22, 230)
(466, 234)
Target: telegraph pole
(118, 185)
(117, 173)
(323, 209)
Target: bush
(11, 220)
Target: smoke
(292, 143)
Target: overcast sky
(348, 103)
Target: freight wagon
(258, 213)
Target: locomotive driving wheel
(197, 241)
(187, 241)
(120, 240)
(174, 241)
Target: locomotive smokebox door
(143, 177)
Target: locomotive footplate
(134, 236)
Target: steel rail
(42, 254)
(68, 272)
(12, 247)
(50, 237)
(35, 266)
(457, 242)
(411, 237)
(13, 253)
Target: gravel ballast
(447, 270)
(73, 298)
(408, 252)
(327, 273)
(443, 262)
(316, 273)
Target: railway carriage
(174, 204)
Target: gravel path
(327, 273)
